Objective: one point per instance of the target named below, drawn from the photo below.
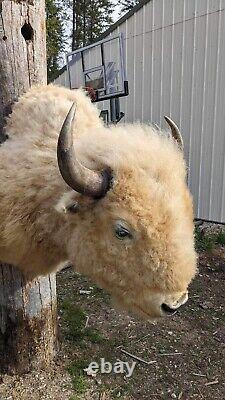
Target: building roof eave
(123, 19)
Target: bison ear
(73, 208)
(73, 203)
(67, 204)
(175, 132)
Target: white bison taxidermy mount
(113, 201)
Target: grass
(80, 337)
(94, 335)
(101, 294)
(119, 392)
(79, 381)
(204, 242)
(220, 239)
(75, 319)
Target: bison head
(130, 214)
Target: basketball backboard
(99, 67)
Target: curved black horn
(175, 132)
(90, 183)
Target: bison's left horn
(175, 132)
(86, 181)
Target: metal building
(175, 61)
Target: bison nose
(167, 309)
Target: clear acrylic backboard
(99, 68)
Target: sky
(116, 12)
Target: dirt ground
(187, 350)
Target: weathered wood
(27, 309)
(27, 320)
(22, 62)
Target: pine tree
(90, 19)
(127, 5)
(55, 36)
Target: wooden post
(27, 309)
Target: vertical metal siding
(175, 61)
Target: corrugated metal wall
(175, 61)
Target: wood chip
(81, 291)
(170, 354)
(137, 358)
(212, 383)
(142, 338)
(87, 320)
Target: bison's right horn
(90, 183)
(175, 132)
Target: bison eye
(122, 231)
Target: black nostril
(168, 310)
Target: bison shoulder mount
(113, 201)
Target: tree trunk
(74, 26)
(27, 309)
(27, 321)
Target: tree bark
(27, 309)
(27, 321)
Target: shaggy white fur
(156, 263)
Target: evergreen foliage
(90, 19)
(127, 5)
(54, 36)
